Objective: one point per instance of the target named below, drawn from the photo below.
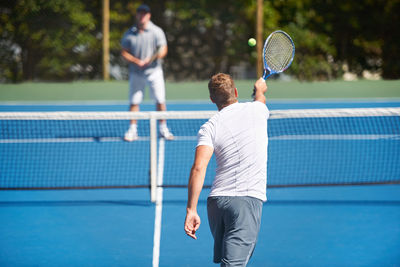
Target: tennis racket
(155, 55)
(278, 53)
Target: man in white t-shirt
(237, 135)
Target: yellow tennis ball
(251, 42)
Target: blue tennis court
(357, 225)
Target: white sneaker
(131, 134)
(165, 133)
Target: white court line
(68, 140)
(159, 199)
(194, 138)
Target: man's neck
(226, 105)
(143, 26)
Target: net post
(153, 157)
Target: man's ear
(236, 93)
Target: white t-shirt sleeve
(262, 108)
(204, 136)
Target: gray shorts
(235, 224)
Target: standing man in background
(143, 46)
(238, 137)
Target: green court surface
(118, 90)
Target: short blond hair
(222, 89)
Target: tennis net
(73, 150)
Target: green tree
(205, 36)
(391, 37)
(45, 38)
(61, 40)
(315, 53)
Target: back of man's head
(222, 89)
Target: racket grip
(254, 88)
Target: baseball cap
(143, 8)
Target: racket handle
(254, 89)
(264, 74)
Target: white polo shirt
(238, 134)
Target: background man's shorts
(138, 82)
(234, 223)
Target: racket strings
(278, 52)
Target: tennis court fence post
(153, 156)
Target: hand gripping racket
(278, 53)
(155, 55)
